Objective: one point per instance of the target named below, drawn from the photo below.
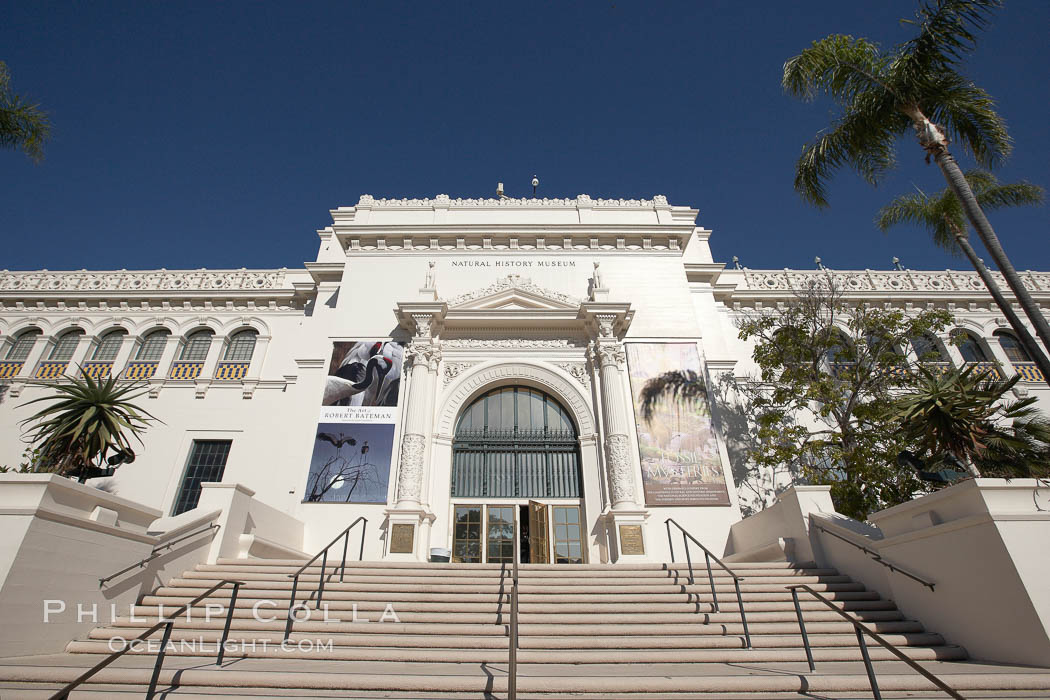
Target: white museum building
(463, 374)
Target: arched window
(1012, 347)
(197, 345)
(153, 346)
(241, 347)
(927, 349)
(515, 442)
(969, 347)
(66, 345)
(23, 345)
(109, 345)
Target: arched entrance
(516, 474)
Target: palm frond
(839, 66)
(967, 115)
(680, 386)
(946, 32)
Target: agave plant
(964, 415)
(87, 421)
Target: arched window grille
(153, 346)
(66, 346)
(109, 345)
(969, 347)
(23, 345)
(927, 349)
(1012, 347)
(197, 346)
(515, 442)
(241, 347)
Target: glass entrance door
(546, 532)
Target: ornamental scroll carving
(444, 201)
(621, 477)
(884, 280)
(410, 476)
(513, 282)
(453, 369)
(143, 281)
(578, 371)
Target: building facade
(464, 373)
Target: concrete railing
(60, 538)
(981, 543)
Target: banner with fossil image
(681, 464)
(354, 442)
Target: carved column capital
(608, 353)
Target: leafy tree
(827, 376)
(965, 415)
(686, 386)
(916, 85)
(22, 125)
(87, 420)
(941, 214)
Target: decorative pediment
(513, 293)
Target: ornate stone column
(609, 355)
(421, 357)
(626, 518)
(408, 522)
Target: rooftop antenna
(897, 264)
(535, 184)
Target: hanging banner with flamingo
(681, 463)
(354, 442)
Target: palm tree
(916, 85)
(942, 215)
(22, 125)
(87, 420)
(686, 386)
(962, 414)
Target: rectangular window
(568, 544)
(207, 462)
(466, 536)
(500, 535)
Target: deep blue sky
(200, 134)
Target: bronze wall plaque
(401, 536)
(631, 539)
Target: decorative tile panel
(140, 370)
(10, 368)
(50, 369)
(231, 370)
(98, 370)
(185, 370)
(1029, 372)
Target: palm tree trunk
(960, 188)
(1027, 341)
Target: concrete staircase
(440, 630)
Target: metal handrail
(156, 553)
(345, 536)
(512, 642)
(167, 624)
(708, 555)
(861, 630)
(877, 557)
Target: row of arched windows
(972, 350)
(144, 360)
